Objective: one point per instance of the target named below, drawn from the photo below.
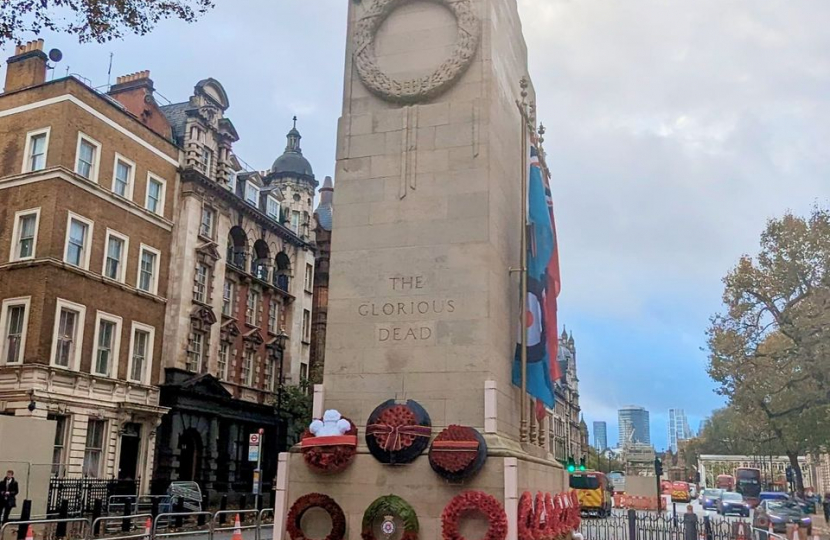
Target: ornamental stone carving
(423, 88)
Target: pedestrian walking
(826, 505)
(8, 496)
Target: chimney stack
(27, 67)
(135, 93)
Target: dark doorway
(130, 450)
(191, 455)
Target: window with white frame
(303, 371)
(107, 341)
(14, 320)
(309, 277)
(306, 325)
(155, 194)
(148, 269)
(200, 283)
(248, 369)
(37, 145)
(115, 256)
(251, 193)
(273, 319)
(232, 181)
(87, 157)
(24, 234)
(123, 177)
(222, 364)
(272, 208)
(67, 341)
(141, 353)
(252, 307)
(228, 295)
(207, 160)
(59, 447)
(268, 378)
(295, 221)
(208, 220)
(78, 240)
(94, 448)
(195, 352)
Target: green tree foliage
(769, 349)
(295, 409)
(92, 20)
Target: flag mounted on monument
(543, 285)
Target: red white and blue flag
(543, 286)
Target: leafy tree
(769, 350)
(295, 410)
(92, 20)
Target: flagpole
(523, 430)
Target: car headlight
(806, 520)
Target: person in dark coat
(8, 496)
(826, 505)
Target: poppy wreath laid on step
(397, 433)
(329, 455)
(391, 508)
(458, 453)
(316, 500)
(474, 501)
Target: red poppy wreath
(316, 500)
(474, 501)
(332, 451)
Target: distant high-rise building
(600, 436)
(634, 425)
(678, 428)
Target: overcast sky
(675, 129)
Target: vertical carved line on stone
(476, 128)
(409, 149)
(404, 148)
(413, 147)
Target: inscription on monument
(394, 324)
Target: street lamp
(280, 342)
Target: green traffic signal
(571, 468)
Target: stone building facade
(567, 431)
(87, 209)
(240, 324)
(319, 314)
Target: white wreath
(422, 88)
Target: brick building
(87, 195)
(319, 314)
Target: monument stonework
(422, 301)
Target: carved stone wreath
(423, 88)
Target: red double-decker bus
(748, 484)
(725, 481)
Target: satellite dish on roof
(55, 55)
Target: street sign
(253, 453)
(253, 439)
(256, 482)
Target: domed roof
(292, 160)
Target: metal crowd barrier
(162, 527)
(111, 527)
(68, 522)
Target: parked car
(709, 498)
(733, 503)
(780, 513)
(808, 505)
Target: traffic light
(790, 475)
(658, 467)
(582, 463)
(697, 478)
(571, 464)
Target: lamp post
(281, 341)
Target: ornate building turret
(292, 174)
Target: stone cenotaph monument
(423, 302)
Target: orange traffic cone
(795, 533)
(147, 526)
(29, 534)
(237, 530)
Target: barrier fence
(172, 525)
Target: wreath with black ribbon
(393, 511)
(316, 500)
(329, 455)
(474, 501)
(397, 433)
(458, 453)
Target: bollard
(243, 501)
(200, 519)
(223, 505)
(259, 501)
(690, 526)
(60, 530)
(272, 498)
(97, 510)
(154, 507)
(179, 510)
(632, 524)
(128, 511)
(25, 515)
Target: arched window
(237, 247)
(262, 260)
(282, 273)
